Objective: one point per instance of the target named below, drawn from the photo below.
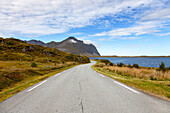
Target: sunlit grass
(139, 79)
(30, 80)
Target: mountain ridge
(70, 45)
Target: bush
(120, 64)
(105, 61)
(111, 64)
(162, 67)
(63, 62)
(33, 64)
(169, 68)
(129, 66)
(135, 65)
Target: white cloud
(150, 22)
(76, 33)
(100, 34)
(163, 34)
(41, 17)
(81, 38)
(138, 29)
(160, 14)
(130, 38)
(91, 42)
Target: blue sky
(115, 27)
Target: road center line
(37, 85)
(127, 87)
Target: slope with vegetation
(154, 81)
(23, 64)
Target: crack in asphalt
(80, 86)
(81, 104)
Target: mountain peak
(71, 37)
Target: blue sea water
(142, 61)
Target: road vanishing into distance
(82, 90)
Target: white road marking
(127, 87)
(57, 74)
(101, 75)
(37, 85)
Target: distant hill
(70, 45)
(37, 42)
(15, 49)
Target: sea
(141, 61)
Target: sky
(115, 27)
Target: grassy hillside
(14, 49)
(23, 64)
(149, 80)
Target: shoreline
(132, 56)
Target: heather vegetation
(155, 81)
(21, 63)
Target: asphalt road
(81, 90)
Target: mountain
(15, 49)
(70, 45)
(37, 42)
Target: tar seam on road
(37, 85)
(80, 86)
(81, 104)
(126, 87)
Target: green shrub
(162, 67)
(105, 61)
(120, 64)
(34, 64)
(129, 66)
(135, 65)
(111, 64)
(168, 68)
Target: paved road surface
(81, 90)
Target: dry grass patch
(150, 81)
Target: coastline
(133, 56)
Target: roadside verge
(25, 84)
(158, 89)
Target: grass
(23, 64)
(155, 87)
(15, 88)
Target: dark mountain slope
(71, 45)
